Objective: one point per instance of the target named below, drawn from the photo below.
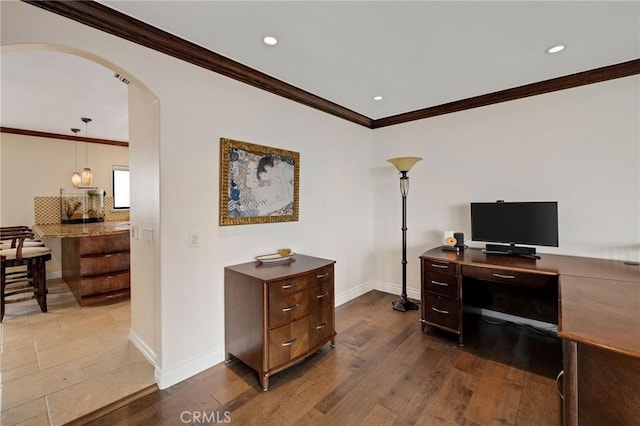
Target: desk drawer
(441, 266)
(442, 311)
(509, 276)
(442, 284)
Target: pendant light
(76, 179)
(87, 174)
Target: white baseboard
(353, 293)
(374, 285)
(144, 349)
(396, 289)
(512, 318)
(166, 378)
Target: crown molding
(105, 19)
(73, 138)
(624, 69)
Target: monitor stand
(511, 250)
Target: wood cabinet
(600, 386)
(441, 296)
(96, 268)
(278, 313)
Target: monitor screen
(532, 223)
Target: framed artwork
(258, 184)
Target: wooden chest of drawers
(279, 313)
(96, 268)
(441, 295)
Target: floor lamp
(404, 164)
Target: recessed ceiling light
(555, 49)
(377, 98)
(270, 41)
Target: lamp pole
(404, 164)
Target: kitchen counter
(74, 230)
(95, 259)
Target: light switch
(147, 234)
(194, 239)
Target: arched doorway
(143, 331)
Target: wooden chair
(22, 267)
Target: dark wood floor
(383, 371)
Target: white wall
(580, 147)
(197, 108)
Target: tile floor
(60, 365)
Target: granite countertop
(63, 230)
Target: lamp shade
(86, 176)
(76, 179)
(404, 164)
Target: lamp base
(403, 304)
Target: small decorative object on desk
(280, 256)
(454, 242)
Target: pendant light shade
(76, 179)
(86, 176)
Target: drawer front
(279, 289)
(94, 265)
(104, 283)
(320, 296)
(288, 342)
(104, 244)
(442, 284)
(288, 308)
(528, 279)
(442, 311)
(321, 325)
(440, 266)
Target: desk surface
(75, 230)
(599, 300)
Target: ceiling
(415, 54)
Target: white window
(121, 187)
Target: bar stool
(22, 267)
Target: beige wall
(34, 166)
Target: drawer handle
(325, 275)
(323, 325)
(508, 277)
(435, 265)
(558, 383)
(439, 283)
(287, 286)
(290, 308)
(440, 311)
(320, 296)
(290, 342)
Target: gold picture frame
(258, 184)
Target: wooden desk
(598, 317)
